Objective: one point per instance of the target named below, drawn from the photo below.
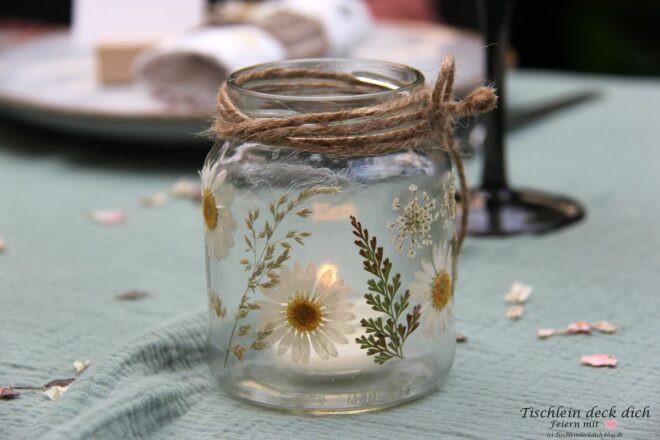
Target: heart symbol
(610, 424)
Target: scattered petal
(544, 333)
(186, 189)
(514, 312)
(518, 294)
(131, 295)
(461, 337)
(154, 201)
(107, 217)
(55, 392)
(599, 360)
(81, 366)
(578, 327)
(3, 244)
(604, 327)
(8, 393)
(60, 382)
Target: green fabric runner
(149, 378)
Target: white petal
(309, 278)
(277, 333)
(340, 316)
(304, 349)
(428, 268)
(341, 327)
(285, 343)
(334, 334)
(319, 348)
(327, 345)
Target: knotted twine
(421, 120)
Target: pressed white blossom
(414, 222)
(306, 309)
(217, 196)
(55, 392)
(81, 366)
(185, 188)
(518, 294)
(154, 201)
(515, 311)
(433, 288)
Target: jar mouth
(394, 78)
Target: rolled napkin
(187, 71)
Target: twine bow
(419, 120)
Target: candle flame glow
(327, 274)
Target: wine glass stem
(495, 20)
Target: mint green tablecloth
(60, 272)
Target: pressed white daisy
(433, 289)
(414, 222)
(306, 308)
(217, 197)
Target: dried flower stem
(267, 258)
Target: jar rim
(416, 81)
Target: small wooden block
(114, 61)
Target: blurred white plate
(52, 83)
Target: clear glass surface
(297, 322)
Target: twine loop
(420, 120)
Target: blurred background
(115, 70)
(604, 36)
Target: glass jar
(330, 280)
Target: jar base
(346, 393)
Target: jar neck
(375, 82)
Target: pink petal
(544, 333)
(131, 295)
(604, 327)
(578, 327)
(514, 312)
(8, 393)
(59, 382)
(107, 217)
(599, 360)
(3, 244)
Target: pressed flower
(518, 294)
(599, 360)
(154, 201)
(8, 393)
(515, 311)
(55, 392)
(186, 189)
(107, 217)
(433, 288)
(305, 310)
(414, 222)
(81, 366)
(217, 196)
(545, 333)
(60, 382)
(578, 327)
(3, 245)
(604, 327)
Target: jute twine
(420, 120)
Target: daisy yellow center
(209, 209)
(441, 290)
(303, 315)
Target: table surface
(60, 272)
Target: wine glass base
(502, 211)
